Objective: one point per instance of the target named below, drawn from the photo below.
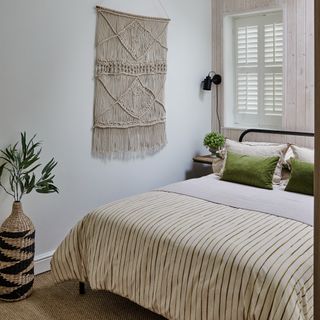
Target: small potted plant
(21, 168)
(214, 141)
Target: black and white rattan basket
(16, 255)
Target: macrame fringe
(129, 143)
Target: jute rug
(63, 302)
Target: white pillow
(217, 165)
(303, 154)
(260, 150)
(289, 155)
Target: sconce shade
(207, 83)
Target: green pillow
(301, 179)
(250, 170)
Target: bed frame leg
(82, 288)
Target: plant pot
(16, 255)
(213, 152)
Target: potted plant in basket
(19, 164)
(214, 141)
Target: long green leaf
(1, 169)
(8, 154)
(32, 169)
(11, 178)
(23, 144)
(49, 166)
(31, 184)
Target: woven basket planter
(16, 255)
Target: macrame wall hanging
(131, 66)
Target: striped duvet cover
(191, 259)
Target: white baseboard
(42, 262)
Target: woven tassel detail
(16, 255)
(131, 143)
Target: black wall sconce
(212, 77)
(216, 79)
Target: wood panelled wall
(298, 18)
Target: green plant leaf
(48, 189)
(31, 141)
(49, 166)
(32, 169)
(1, 169)
(23, 144)
(31, 184)
(11, 182)
(8, 155)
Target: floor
(61, 302)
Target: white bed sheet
(278, 202)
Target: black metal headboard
(269, 131)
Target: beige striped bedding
(190, 259)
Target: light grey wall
(46, 87)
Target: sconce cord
(217, 109)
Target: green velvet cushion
(301, 179)
(250, 170)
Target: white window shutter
(258, 53)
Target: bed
(199, 249)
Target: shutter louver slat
(273, 92)
(247, 93)
(273, 44)
(247, 45)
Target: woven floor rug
(62, 302)
(131, 67)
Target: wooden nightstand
(204, 165)
(207, 159)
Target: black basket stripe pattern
(12, 268)
(13, 235)
(18, 293)
(27, 240)
(28, 249)
(16, 256)
(5, 245)
(30, 272)
(31, 235)
(17, 268)
(6, 283)
(6, 258)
